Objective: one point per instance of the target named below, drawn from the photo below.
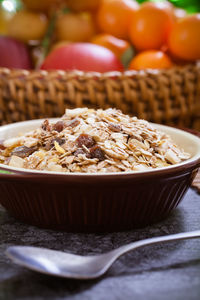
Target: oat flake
(93, 141)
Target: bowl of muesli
(94, 170)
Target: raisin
(23, 151)
(50, 143)
(46, 126)
(79, 151)
(1, 145)
(59, 126)
(97, 152)
(86, 140)
(60, 141)
(73, 123)
(114, 127)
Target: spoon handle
(156, 240)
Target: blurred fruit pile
(96, 35)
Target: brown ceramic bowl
(97, 202)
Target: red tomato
(84, 57)
(14, 54)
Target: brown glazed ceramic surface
(97, 202)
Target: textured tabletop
(164, 271)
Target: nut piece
(30, 142)
(58, 148)
(12, 142)
(16, 162)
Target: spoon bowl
(67, 265)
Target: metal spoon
(68, 265)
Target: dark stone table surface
(164, 271)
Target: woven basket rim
(90, 74)
(168, 96)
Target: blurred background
(44, 25)
(101, 36)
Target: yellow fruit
(26, 26)
(5, 17)
(75, 27)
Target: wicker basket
(169, 97)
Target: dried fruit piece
(97, 152)
(114, 127)
(59, 126)
(86, 140)
(2, 147)
(79, 151)
(73, 123)
(50, 143)
(23, 151)
(60, 141)
(46, 126)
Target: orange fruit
(163, 4)
(184, 40)
(151, 25)
(151, 59)
(27, 25)
(75, 27)
(117, 46)
(114, 17)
